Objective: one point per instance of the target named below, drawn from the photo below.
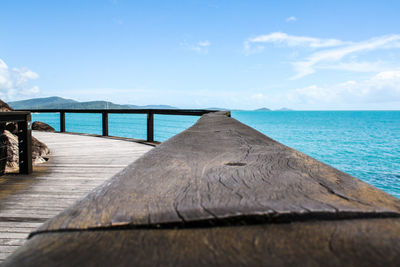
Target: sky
(304, 55)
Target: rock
(11, 141)
(3, 153)
(39, 151)
(43, 127)
(11, 127)
(4, 107)
(8, 136)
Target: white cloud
(204, 43)
(329, 56)
(388, 75)
(291, 19)
(15, 82)
(281, 38)
(199, 47)
(380, 88)
(377, 66)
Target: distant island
(263, 109)
(56, 102)
(267, 109)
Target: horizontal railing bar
(189, 112)
(105, 118)
(14, 116)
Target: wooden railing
(23, 120)
(150, 116)
(222, 194)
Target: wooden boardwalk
(222, 194)
(77, 165)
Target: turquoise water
(365, 144)
(125, 125)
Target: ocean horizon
(365, 144)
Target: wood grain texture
(221, 168)
(362, 242)
(76, 166)
(222, 194)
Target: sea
(365, 144)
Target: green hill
(37, 103)
(88, 105)
(56, 102)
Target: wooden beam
(222, 193)
(311, 243)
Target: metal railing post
(150, 126)
(62, 121)
(25, 145)
(105, 123)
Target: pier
(77, 164)
(219, 193)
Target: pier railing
(220, 194)
(23, 131)
(105, 112)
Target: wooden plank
(11, 241)
(74, 168)
(20, 224)
(8, 248)
(3, 256)
(11, 229)
(13, 235)
(37, 204)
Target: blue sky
(304, 55)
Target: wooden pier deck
(222, 194)
(77, 165)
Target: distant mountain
(37, 103)
(284, 109)
(89, 105)
(56, 102)
(263, 109)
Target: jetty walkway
(77, 164)
(218, 194)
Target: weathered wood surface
(360, 242)
(221, 193)
(77, 164)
